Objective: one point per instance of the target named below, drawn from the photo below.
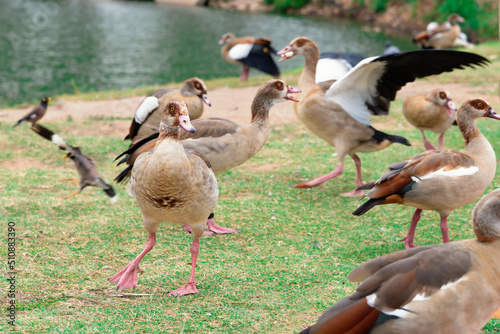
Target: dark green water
(52, 47)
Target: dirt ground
(231, 103)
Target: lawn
(288, 264)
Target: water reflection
(58, 46)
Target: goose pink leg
(190, 287)
(127, 277)
(244, 73)
(322, 179)
(427, 143)
(441, 141)
(213, 228)
(359, 179)
(411, 232)
(444, 229)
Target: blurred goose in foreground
(249, 52)
(148, 115)
(341, 114)
(171, 185)
(36, 114)
(447, 288)
(434, 111)
(85, 166)
(224, 143)
(440, 36)
(440, 180)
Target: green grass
(287, 266)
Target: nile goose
(85, 166)
(447, 288)
(434, 111)
(440, 180)
(249, 52)
(171, 185)
(148, 115)
(440, 37)
(36, 114)
(224, 143)
(341, 114)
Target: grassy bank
(288, 265)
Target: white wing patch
(147, 106)
(442, 172)
(358, 87)
(403, 311)
(239, 51)
(331, 69)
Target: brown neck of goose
(308, 76)
(260, 109)
(467, 127)
(169, 128)
(486, 220)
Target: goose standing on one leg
(434, 111)
(171, 185)
(224, 143)
(341, 114)
(249, 52)
(450, 288)
(440, 180)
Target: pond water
(52, 47)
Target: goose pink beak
(205, 99)
(450, 108)
(285, 53)
(291, 90)
(492, 114)
(185, 123)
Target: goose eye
(279, 85)
(197, 85)
(480, 104)
(442, 95)
(172, 108)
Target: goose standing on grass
(442, 36)
(450, 288)
(440, 180)
(85, 166)
(341, 114)
(434, 111)
(148, 115)
(224, 143)
(249, 52)
(171, 185)
(36, 114)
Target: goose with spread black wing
(341, 114)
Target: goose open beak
(291, 90)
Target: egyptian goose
(440, 37)
(440, 180)
(390, 48)
(85, 166)
(36, 114)
(249, 52)
(224, 143)
(171, 185)
(447, 288)
(148, 115)
(434, 111)
(341, 114)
